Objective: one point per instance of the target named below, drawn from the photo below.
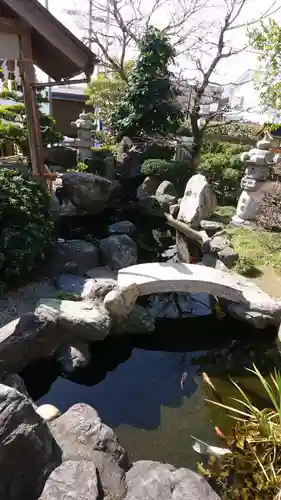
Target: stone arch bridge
(158, 277)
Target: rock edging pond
(76, 455)
(107, 306)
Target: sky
(230, 70)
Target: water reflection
(135, 384)
(134, 393)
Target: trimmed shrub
(224, 172)
(176, 172)
(102, 137)
(96, 164)
(60, 155)
(184, 131)
(158, 151)
(103, 152)
(222, 147)
(235, 129)
(26, 225)
(270, 216)
(80, 167)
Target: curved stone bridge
(158, 277)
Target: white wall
(245, 102)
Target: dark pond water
(134, 384)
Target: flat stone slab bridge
(158, 277)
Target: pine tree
(13, 124)
(149, 104)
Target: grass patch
(223, 214)
(68, 296)
(247, 267)
(260, 247)
(256, 247)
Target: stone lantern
(84, 141)
(254, 182)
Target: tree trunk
(197, 136)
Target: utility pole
(49, 79)
(90, 24)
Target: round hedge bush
(158, 151)
(26, 225)
(224, 172)
(174, 171)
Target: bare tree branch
(118, 25)
(211, 49)
(200, 30)
(268, 12)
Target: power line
(49, 79)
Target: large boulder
(148, 187)
(86, 288)
(72, 481)
(257, 319)
(218, 243)
(98, 288)
(179, 305)
(211, 227)
(228, 256)
(211, 260)
(199, 201)
(118, 251)
(148, 480)
(80, 433)
(138, 321)
(77, 255)
(70, 283)
(102, 272)
(121, 301)
(122, 227)
(129, 161)
(29, 452)
(88, 192)
(83, 320)
(74, 356)
(174, 210)
(151, 207)
(166, 187)
(166, 201)
(30, 337)
(111, 475)
(183, 245)
(16, 382)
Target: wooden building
(29, 35)
(66, 107)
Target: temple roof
(56, 51)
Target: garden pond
(138, 388)
(149, 388)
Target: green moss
(256, 247)
(247, 267)
(174, 171)
(261, 247)
(68, 296)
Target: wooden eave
(55, 50)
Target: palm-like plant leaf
(252, 471)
